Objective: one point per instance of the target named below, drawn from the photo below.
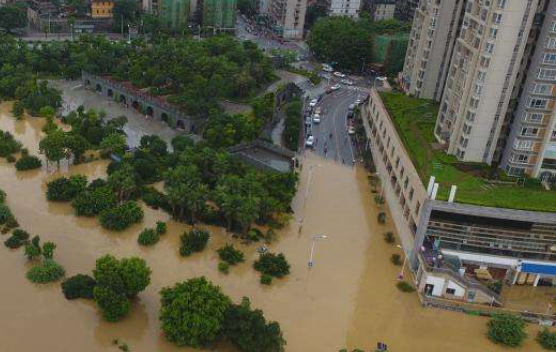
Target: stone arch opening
(192, 129)
(110, 93)
(136, 105)
(164, 117)
(123, 99)
(98, 87)
(150, 111)
(180, 125)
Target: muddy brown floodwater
(348, 299)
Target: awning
(538, 269)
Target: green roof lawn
(415, 121)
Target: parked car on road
(327, 68)
(335, 87)
(347, 82)
(339, 74)
(313, 103)
(351, 130)
(310, 143)
(308, 120)
(316, 118)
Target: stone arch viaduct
(145, 103)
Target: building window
(537, 103)
(529, 131)
(549, 58)
(474, 103)
(489, 48)
(492, 33)
(553, 27)
(519, 158)
(546, 74)
(450, 291)
(501, 4)
(516, 171)
(523, 145)
(542, 88)
(497, 18)
(534, 117)
(551, 43)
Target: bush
(148, 237)
(2, 197)
(193, 241)
(155, 199)
(223, 267)
(94, 200)
(78, 286)
(405, 286)
(381, 217)
(5, 214)
(47, 271)
(114, 306)
(230, 255)
(547, 339)
(29, 162)
(65, 189)
(18, 238)
(161, 227)
(266, 279)
(192, 312)
(122, 216)
(389, 237)
(272, 264)
(506, 329)
(379, 200)
(396, 259)
(8, 144)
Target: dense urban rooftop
(478, 184)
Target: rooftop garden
(478, 184)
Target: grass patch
(415, 120)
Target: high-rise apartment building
(481, 76)
(173, 14)
(288, 17)
(344, 8)
(530, 148)
(491, 65)
(435, 27)
(220, 14)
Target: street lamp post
(400, 275)
(315, 238)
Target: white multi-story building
(435, 28)
(345, 8)
(288, 17)
(482, 75)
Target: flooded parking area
(347, 299)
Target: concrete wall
(142, 102)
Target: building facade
(174, 14)
(220, 14)
(102, 9)
(530, 148)
(344, 8)
(435, 28)
(481, 77)
(382, 9)
(288, 17)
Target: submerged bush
(507, 329)
(148, 237)
(64, 189)
(405, 286)
(230, 255)
(223, 267)
(122, 216)
(8, 144)
(93, 201)
(47, 271)
(28, 162)
(78, 286)
(161, 227)
(547, 339)
(17, 239)
(193, 241)
(272, 264)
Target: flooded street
(348, 299)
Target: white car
(335, 87)
(316, 118)
(310, 143)
(318, 110)
(357, 102)
(351, 130)
(327, 68)
(347, 82)
(313, 103)
(339, 74)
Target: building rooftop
(478, 184)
